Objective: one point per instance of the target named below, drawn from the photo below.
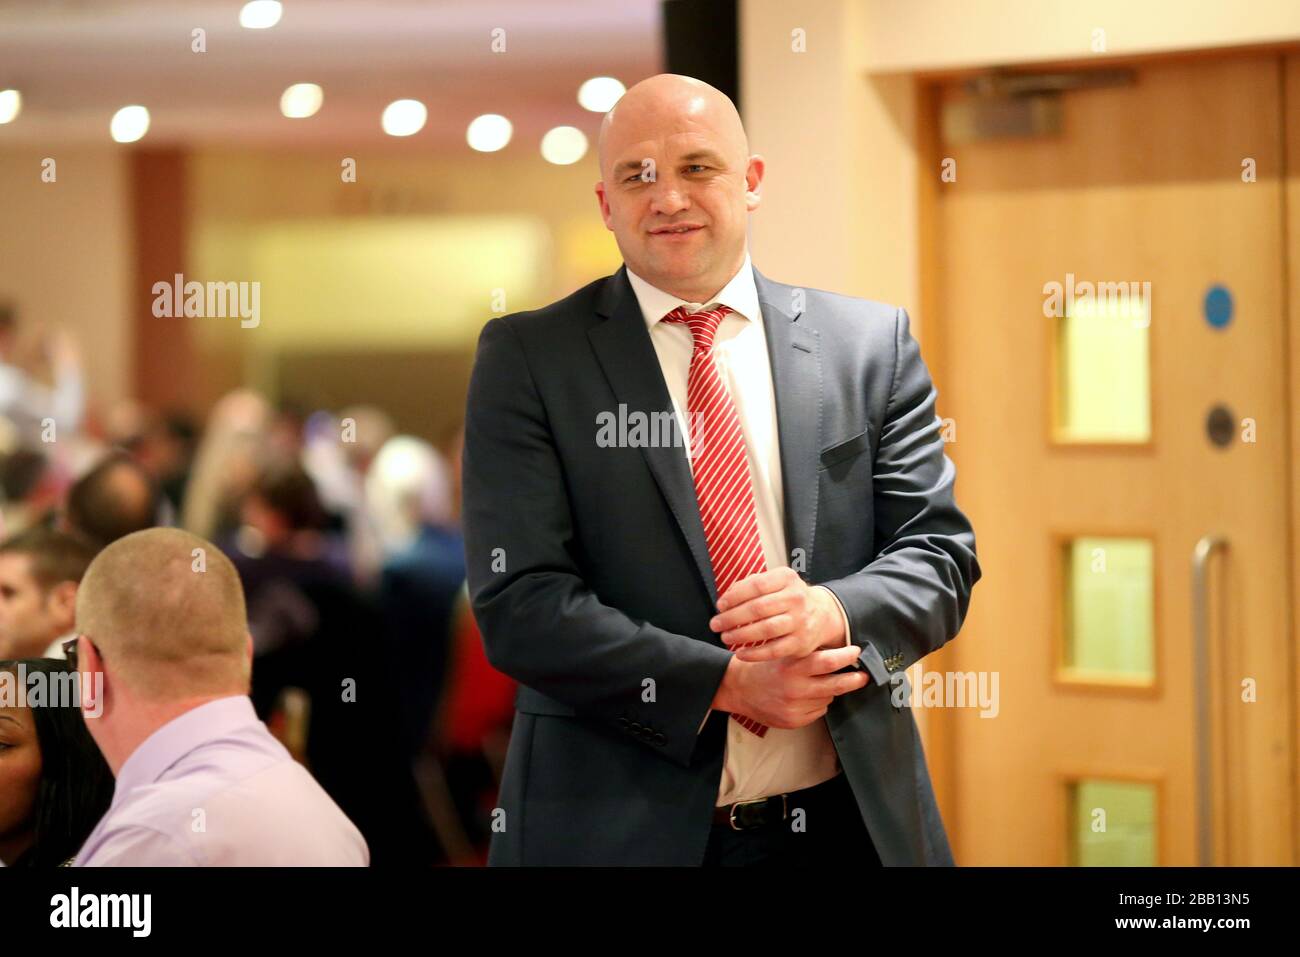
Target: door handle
(1201, 554)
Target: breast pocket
(842, 452)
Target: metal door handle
(1204, 757)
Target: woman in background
(54, 783)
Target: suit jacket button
(659, 737)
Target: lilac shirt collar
(179, 737)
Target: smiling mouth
(676, 231)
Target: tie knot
(703, 324)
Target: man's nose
(668, 199)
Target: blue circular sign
(1218, 306)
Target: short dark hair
(20, 472)
(56, 556)
(287, 489)
(102, 511)
(76, 784)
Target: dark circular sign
(1220, 426)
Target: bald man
(709, 523)
(200, 780)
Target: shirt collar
(55, 649)
(741, 294)
(180, 736)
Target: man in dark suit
(709, 522)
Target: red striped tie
(723, 485)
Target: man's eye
(697, 166)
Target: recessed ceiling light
(489, 132)
(260, 14)
(11, 104)
(404, 117)
(129, 124)
(600, 93)
(301, 100)
(564, 145)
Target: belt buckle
(732, 815)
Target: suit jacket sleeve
(913, 596)
(541, 623)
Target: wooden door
(1096, 448)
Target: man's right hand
(788, 692)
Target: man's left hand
(792, 618)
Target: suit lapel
(631, 365)
(794, 350)
(625, 352)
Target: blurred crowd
(367, 664)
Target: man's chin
(673, 268)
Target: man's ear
(96, 689)
(61, 602)
(754, 182)
(88, 656)
(248, 663)
(604, 206)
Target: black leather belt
(766, 811)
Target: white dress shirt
(785, 759)
(55, 649)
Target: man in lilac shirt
(200, 780)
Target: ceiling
(78, 61)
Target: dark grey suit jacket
(590, 577)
